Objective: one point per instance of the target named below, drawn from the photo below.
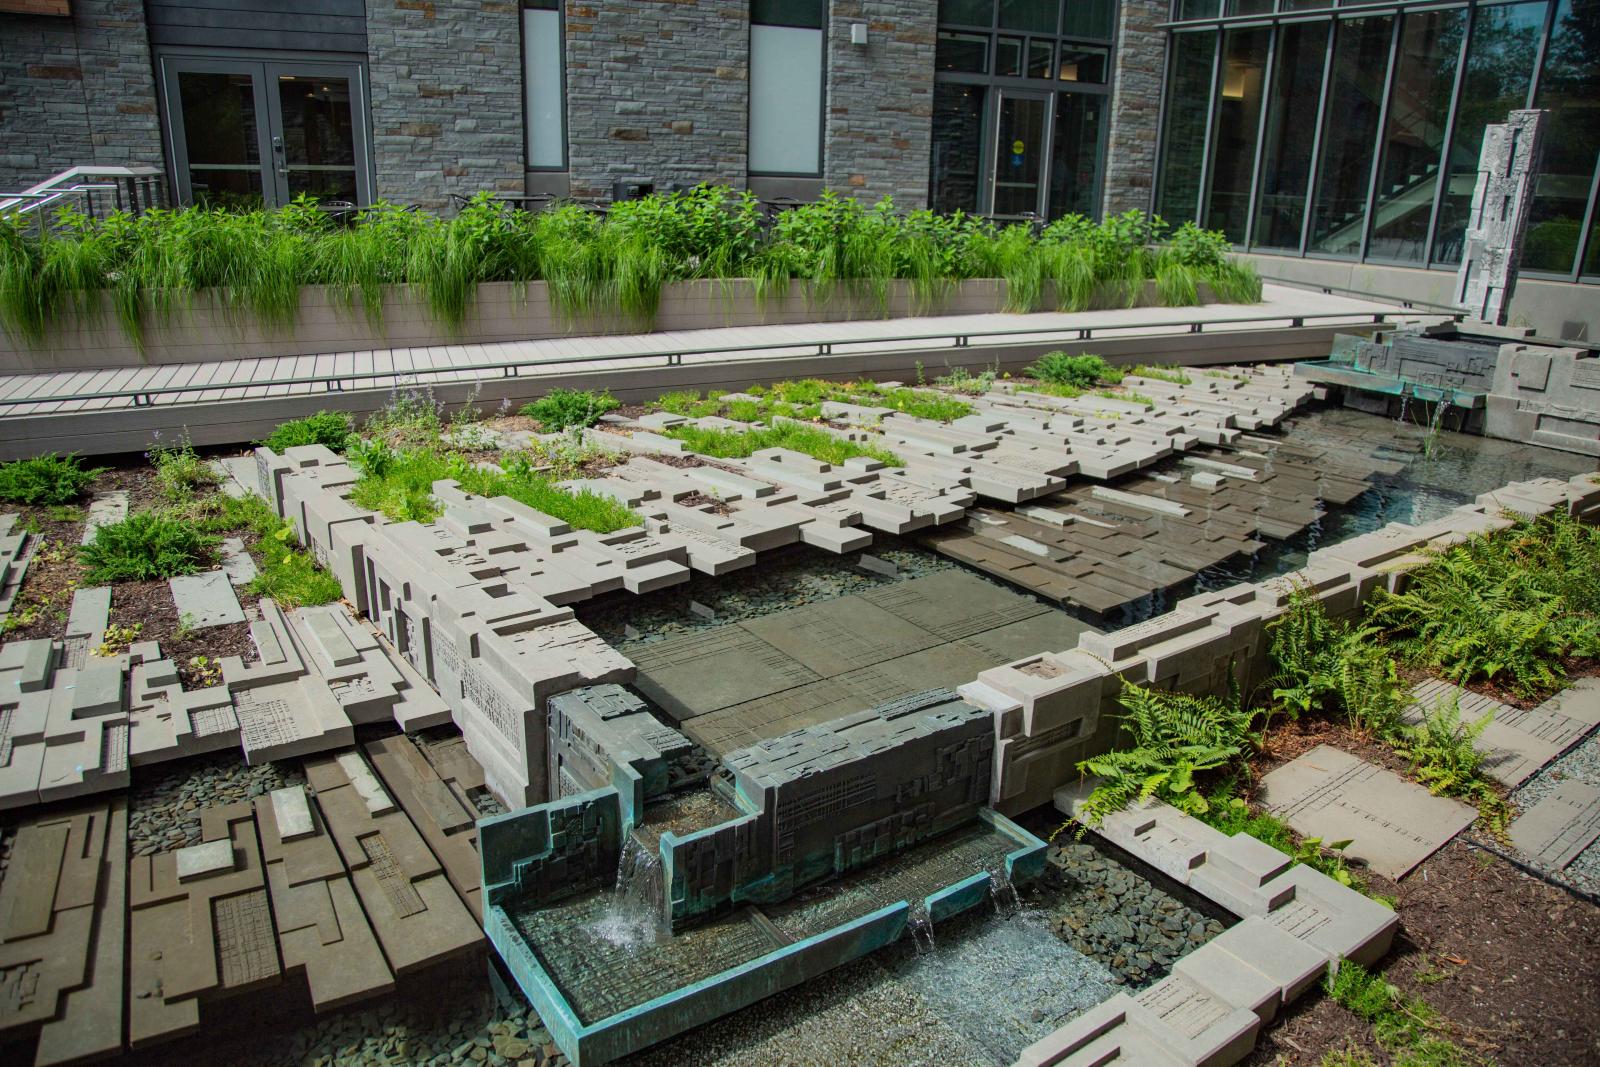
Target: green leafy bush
(285, 573)
(1080, 372)
(329, 428)
(1405, 1025)
(1174, 737)
(146, 545)
(47, 479)
(1327, 666)
(817, 443)
(560, 409)
(1507, 606)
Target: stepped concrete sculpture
(16, 549)
(595, 731)
(1508, 167)
(63, 913)
(1296, 924)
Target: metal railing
(96, 191)
(148, 396)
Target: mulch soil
(56, 571)
(1509, 961)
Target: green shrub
(1405, 1025)
(1174, 738)
(817, 443)
(689, 404)
(330, 428)
(285, 573)
(146, 545)
(1174, 375)
(1324, 665)
(1507, 606)
(47, 479)
(1080, 372)
(560, 409)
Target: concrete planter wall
(502, 311)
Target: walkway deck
(101, 411)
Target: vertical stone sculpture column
(1507, 167)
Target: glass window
(1350, 133)
(1500, 59)
(967, 12)
(1008, 56)
(1244, 67)
(219, 126)
(1089, 18)
(1188, 102)
(1249, 7)
(956, 171)
(785, 99)
(1413, 138)
(967, 52)
(1197, 9)
(1290, 133)
(804, 14)
(1077, 154)
(1570, 88)
(1036, 16)
(544, 86)
(1041, 59)
(1087, 65)
(1021, 123)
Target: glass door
(248, 133)
(1017, 177)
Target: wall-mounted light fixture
(858, 34)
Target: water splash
(1003, 894)
(632, 916)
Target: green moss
(817, 443)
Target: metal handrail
(137, 188)
(146, 396)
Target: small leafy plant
(1081, 372)
(562, 409)
(1405, 1025)
(116, 639)
(180, 471)
(144, 546)
(330, 428)
(47, 479)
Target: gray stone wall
(1135, 106)
(879, 122)
(76, 91)
(446, 98)
(657, 89)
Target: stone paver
(237, 564)
(104, 509)
(205, 600)
(1517, 742)
(1392, 824)
(1554, 831)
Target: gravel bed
(1581, 761)
(164, 809)
(1121, 919)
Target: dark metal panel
(298, 25)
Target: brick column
(879, 118)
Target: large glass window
(1244, 68)
(1074, 173)
(1500, 56)
(786, 43)
(1035, 16)
(956, 172)
(544, 85)
(1413, 136)
(1569, 87)
(1188, 103)
(1349, 133)
(1290, 134)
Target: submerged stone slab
(1554, 831)
(205, 600)
(1392, 824)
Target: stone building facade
(658, 91)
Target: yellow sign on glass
(1017, 148)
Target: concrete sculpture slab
(1554, 831)
(1508, 169)
(1392, 824)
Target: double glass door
(247, 133)
(1015, 153)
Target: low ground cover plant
(803, 399)
(256, 262)
(146, 545)
(813, 441)
(1405, 1025)
(329, 428)
(285, 573)
(180, 470)
(562, 409)
(47, 479)
(1083, 371)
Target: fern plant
(1175, 737)
(1327, 665)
